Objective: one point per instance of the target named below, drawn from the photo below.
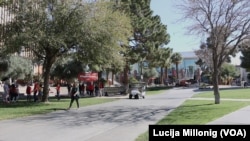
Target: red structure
(88, 77)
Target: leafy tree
(53, 29)
(15, 67)
(225, 23)
(149, 73)
(228, 70)
(162, 59)
(149, 33)
(67, 68)
(245, 58)
(176, 59)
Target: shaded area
(118, 115)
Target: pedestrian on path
(74, 96)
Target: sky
(180, 41)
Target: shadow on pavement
(79, 117)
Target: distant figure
(35, 91)
(245, 84)
(6, 90)
(101, 88)
(28, 92)
(40, 92)
(58, 87)
(13, 93)
(74, 96)
(91, 88)
(96, 89)
(69, 86)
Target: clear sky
(179, 40)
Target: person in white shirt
(6, 91)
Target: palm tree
(161, 59)
(165, 61)
(176, 59)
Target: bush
(133, 80)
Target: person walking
(96, 89)
(58, 87)
(28, 92)
(101, 89)
(35, 91)
(13, 93)
(91, 89)
(40, 92)
(6, 89)
(69, 86)
(74, 96)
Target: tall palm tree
(161, 59)
(176, 59)
(165, 61)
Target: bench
(114, 90)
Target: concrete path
(122, 120)
(238, 117)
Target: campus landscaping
(200, 109)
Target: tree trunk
(47, 66)
(161, 75)
(216, 86)
(125, 77)
(166, 74)
(177, 72)
(107, 76)
(112, 78)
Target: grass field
(203, 111)
(23, 108)
(232, 94)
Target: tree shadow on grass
(19, 104)
(57, 109)
(196, 105)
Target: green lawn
(233, 93)
(23, 108)
(156, 90)
(204, 111)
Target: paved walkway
(121, 120)
(241, 116)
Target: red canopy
(88, 77)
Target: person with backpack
(74, 96)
